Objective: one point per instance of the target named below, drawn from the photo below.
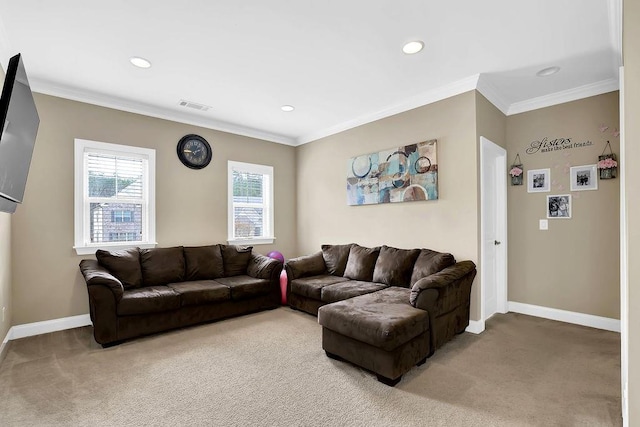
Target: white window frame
(268, 233)
(83, 245)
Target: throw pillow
(361, 263)
(123, 264)
(430, 262)
(305, 266)
(162, 265)
(394, 266)
(236, 259)
(203, 262)
(335, 258)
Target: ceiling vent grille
(193, 105)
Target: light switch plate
(544, 224)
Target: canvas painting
(399, 174)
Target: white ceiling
(339, 62)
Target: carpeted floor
(268, 369)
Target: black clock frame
(182, 157)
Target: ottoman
(380, 332)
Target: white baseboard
(566, 316)
(475, 326)
(44, 327)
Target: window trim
(269, 204)
(81, 222)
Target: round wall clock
(194, 151)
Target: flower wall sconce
(516, 171)
(607, 163)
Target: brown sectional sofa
(382, 308)
(137, 292)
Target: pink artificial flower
(607, 164)
(515, 171)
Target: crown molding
(489, 91)
(425, 98)
(593, 89)
(475, 82)
(63, 91)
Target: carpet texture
(268, 369)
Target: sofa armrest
(96, 275)
(308, 265)
(454, 281)
(263, 267)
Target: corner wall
(631, 43)
(449, 224)
(191, 205)
(573, 266)
(5, 269)
(5, 275)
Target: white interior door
(493, 256)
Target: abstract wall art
(399, 174)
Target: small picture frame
(584, 177)
(559, 206)
(539, 181)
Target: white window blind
(114, 196)
(250, 203)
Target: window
(114, 196)
(121, 216)
(250, 203)
(123, 237)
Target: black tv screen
(19, 123)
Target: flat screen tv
(19, 123)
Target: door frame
(492, 155)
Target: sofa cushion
(306, 266)
(335, 258)
(123, 264)
(430, 262)
(243, 287)
(361, 263)
(203, 262)
(383, 319)
(162, 265)
(349, 289)
(236, 259)
(311, 287)
(150, 299)
(201, 292)
(394, 266)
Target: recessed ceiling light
(413, 47)
(287, 108)
(547, 71)
(140, 62)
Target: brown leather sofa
(382, 308)
(137, 292)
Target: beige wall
(191, 205)
(490, 122)
(5, 266)
(631, 43)
(448, 224)
(5, 274)
(574, 265)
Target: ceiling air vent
(193, 105)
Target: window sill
(90, 250)
(248, 242)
